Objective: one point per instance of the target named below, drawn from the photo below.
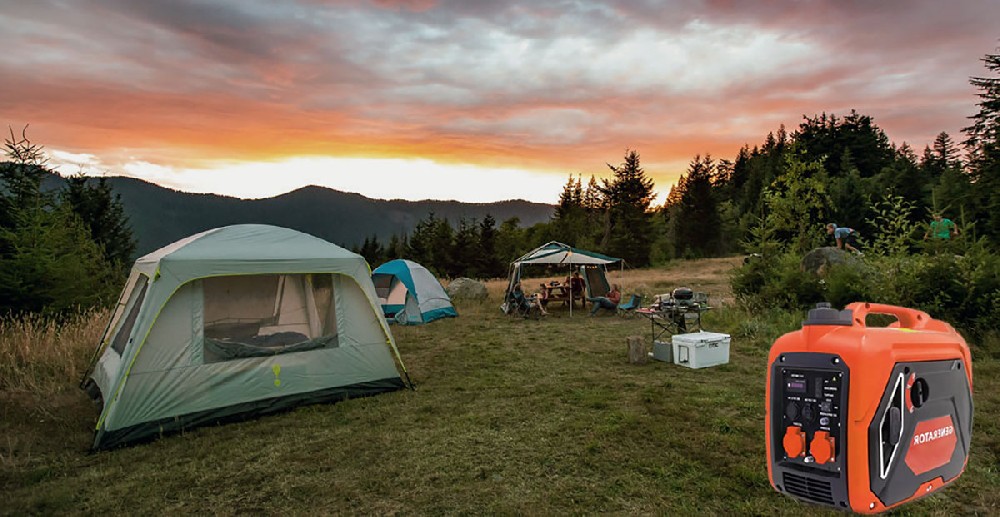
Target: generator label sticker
(932, 445)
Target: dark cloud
(561, 83)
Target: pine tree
(906, 179)
(372, 251)
(101, 210)
(466, 252)
(629, 195)
(48, 261)
(694, 224)
(442, 248)
(983, 145)
(420, 244)
(490, 263)
(570, 221)
(394, 249)
(596, 223)
(510, 240)
(53, 267)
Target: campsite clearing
(509, 416)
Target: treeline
(844, 170)
(59, 250)
(830, 169)
(782, 192)
(613, 216)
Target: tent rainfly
(554, 253)
(410, 294)
(237, 322)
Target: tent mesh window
(266, 315)
(134, 304)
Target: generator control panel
(811, 431)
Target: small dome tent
(410, 294)
(236, 322)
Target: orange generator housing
(867, 418)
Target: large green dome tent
(236, 322)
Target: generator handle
(908, 318)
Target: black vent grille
(810, 489)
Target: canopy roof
(559, 253)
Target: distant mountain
(160, 215)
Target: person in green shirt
(941, 228)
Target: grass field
(509, 416)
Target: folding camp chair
(518, 305)
(627, 309)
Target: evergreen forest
(71, 247)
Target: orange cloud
(503, 85)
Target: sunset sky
(474, 100)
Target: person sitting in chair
(527, 303)
(543, 296)
(576, 286)
(609, 302)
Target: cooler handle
(908, 318)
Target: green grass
(509, 416)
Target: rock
(820, 260)
(466, 289)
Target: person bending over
(847, 238)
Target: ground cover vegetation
(509, 416)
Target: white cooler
(700, 349)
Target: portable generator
(867, 418)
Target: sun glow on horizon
(411, 179)
(377, 178)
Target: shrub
(848, 283)
(963, 290)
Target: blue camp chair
(627, 309)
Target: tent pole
(413, 387)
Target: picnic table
(561, 292)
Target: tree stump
(637, 353)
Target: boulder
(820, 260)
(466, 289)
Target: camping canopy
(559, 253)
(593, 265)
(237, 321)
(410, 294)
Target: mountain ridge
(160, 215)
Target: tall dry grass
(43, 356)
